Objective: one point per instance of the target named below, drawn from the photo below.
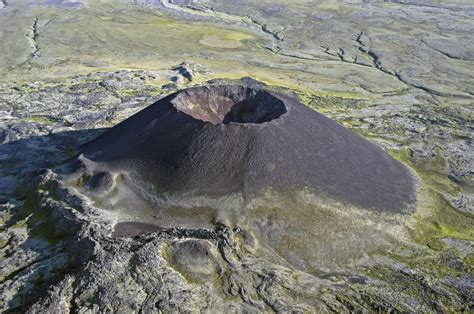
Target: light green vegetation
(316, 233)
(436, 218)
(41, 221)
(39, 119)
(101, 38)
(141, 39)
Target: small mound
(196, 259)
(100, 182)
(222, 140)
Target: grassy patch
(81, 182)
(40, 119)
(436, 218)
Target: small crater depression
(224, 105)
(196, 259)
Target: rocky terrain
(399, 73)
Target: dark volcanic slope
(223, 139)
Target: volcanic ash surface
(295, 183)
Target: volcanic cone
(225, 139)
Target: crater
(229, 105)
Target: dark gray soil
(225, 139)
(130, 229)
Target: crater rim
(229, 104)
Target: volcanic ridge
(220, 140)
